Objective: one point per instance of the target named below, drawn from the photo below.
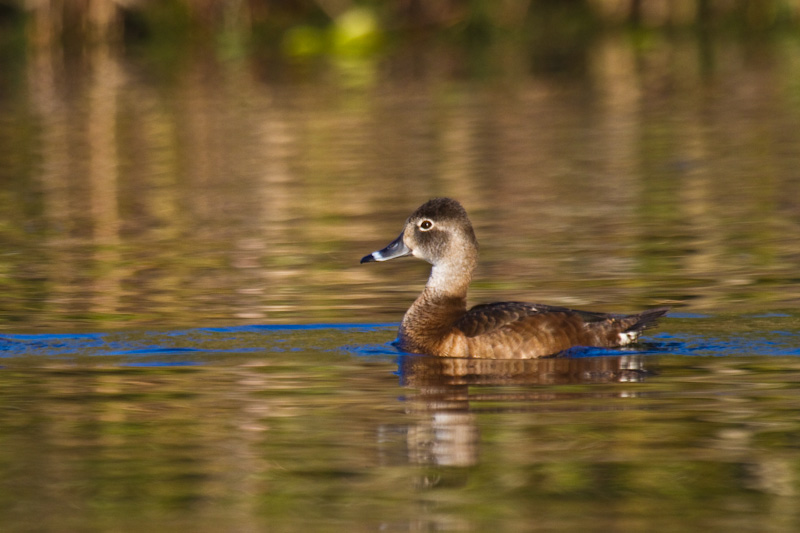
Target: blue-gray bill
(396, 248)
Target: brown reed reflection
(292, 437)
(243, 188)
(449, 392)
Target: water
(328, 427)
(187, 340)
(216, 197)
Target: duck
(438, 323)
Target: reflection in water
(214, 192)
(445, 371)
(298, 428)
(449, 434)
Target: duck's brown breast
(429, 325)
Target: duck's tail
(646, 319)
(633, 325)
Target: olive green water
(327, 429)
(188, 343)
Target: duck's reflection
(440, 389)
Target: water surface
(216, 196)
(188, 343)
(329, 428)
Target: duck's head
(439, 232)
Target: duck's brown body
(442, 326)
(438, 322)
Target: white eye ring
(426, 225)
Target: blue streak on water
(178, 347)
(373, 350)
(773, 343)
(185, 341)
(292, 327)
(163, 363)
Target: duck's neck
(449, 280)
(436, 310)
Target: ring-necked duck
(438, 322)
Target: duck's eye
(425, 225)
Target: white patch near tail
(628, 337)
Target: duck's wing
(483, 319)
(486, 318)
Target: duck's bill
(396, 248)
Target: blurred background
(197, 162)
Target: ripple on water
(687, 335)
